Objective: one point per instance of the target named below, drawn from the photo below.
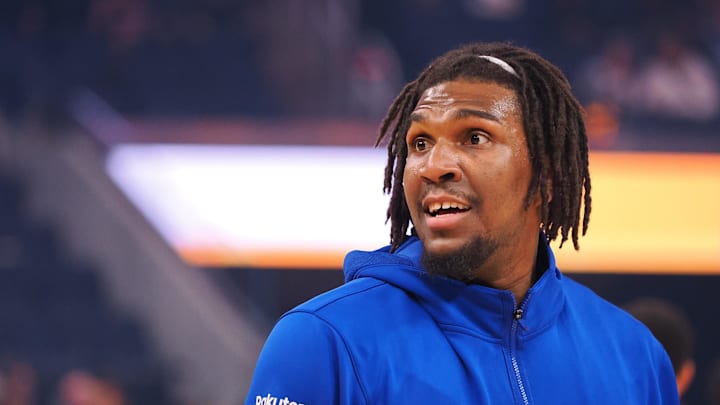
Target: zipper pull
(518, 314)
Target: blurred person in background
(609, 88)
(679, 83)
(18, 382)
(611, 76)
(487, 163)
(374, 78)
(306, 49)
(79, 387)
(673, 329)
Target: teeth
(437, 206)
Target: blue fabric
(395, 334)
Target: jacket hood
(477, 309)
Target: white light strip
(244, 198)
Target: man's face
(467, 176)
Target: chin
(459, 261)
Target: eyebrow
(459, 114)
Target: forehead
(489, 97)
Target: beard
(462, 263)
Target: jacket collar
(465, 308)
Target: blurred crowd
(636, 61)
(19, 386)
(62, 340)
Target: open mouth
(445, 208)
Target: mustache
(451, 191)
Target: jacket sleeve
(304, 361)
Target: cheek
(409, 180)
(511, 176)
(411, 172)
(519, 158)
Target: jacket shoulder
(589, 305)
(339, 297)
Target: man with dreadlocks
(487, 163)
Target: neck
(513, 272)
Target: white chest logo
(271, 400)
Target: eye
(478, 138)
(419, 144)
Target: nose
(441, 164)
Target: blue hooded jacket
(395, 334)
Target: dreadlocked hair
(552, 120)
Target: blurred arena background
(175, 174)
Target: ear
(685, 376)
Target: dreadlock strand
(535, 142)
(552, 124)
(576, 196)
(390, 125)
(397, 151)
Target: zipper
(517, 316)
